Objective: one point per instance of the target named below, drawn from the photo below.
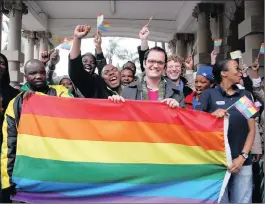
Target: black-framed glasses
(160, 63)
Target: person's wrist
(242, 158)
(77, 38)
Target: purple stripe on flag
(58, 198)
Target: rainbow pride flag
(67, 44)
(104, 26)
(261, 51)
(218, 42)
(246, 107)
(100, 19)
(86, 150)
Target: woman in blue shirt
(241, 131)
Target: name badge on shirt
(220, 102)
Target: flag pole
(230, 107)
(149, 21)
(193, 50)
(258, 56)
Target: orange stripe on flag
(118, 131)
(142, 111)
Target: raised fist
(144, 33)
(189, 63)
(54, 57)
(44, 57)
(81, 31)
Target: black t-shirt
(90, 85)
(216, 98)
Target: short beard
(41, 89)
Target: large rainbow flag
(81, 150)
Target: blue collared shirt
(217, 98)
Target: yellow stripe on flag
(115, 152)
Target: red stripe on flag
(140, 111)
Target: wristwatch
(245, 155)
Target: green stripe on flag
(78, 172)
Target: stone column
(181, 44)
(15, 57)
(29, 47)
(204, 40)
(36, 49)
(44, 37)
(252, 30)
(172, 46)
(190, 44)
(216, 25)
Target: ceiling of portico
(126, 17)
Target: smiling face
(126, 76)
(89, 64)
(201, 83)
(111, 76)
(155, 64)
(173, 70)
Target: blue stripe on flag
(207, 189)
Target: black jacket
(90, 85)
(8, 93)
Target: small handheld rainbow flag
(218, 42)
(104, 26)
(261, 51)
(67, 44)
(57, 40)
(100, 19)
(246, 107)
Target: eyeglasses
(152, 62)
(172, 67)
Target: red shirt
(188, 100)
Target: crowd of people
(165, 78)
